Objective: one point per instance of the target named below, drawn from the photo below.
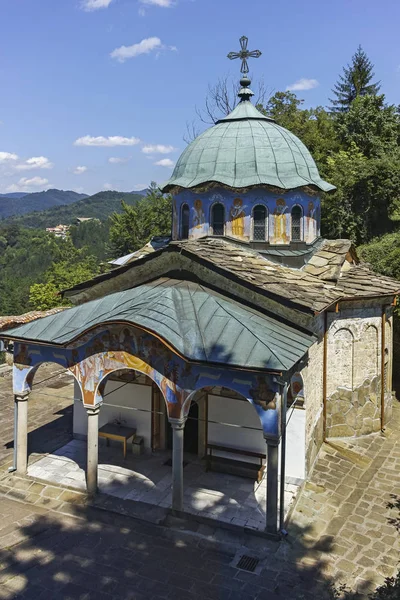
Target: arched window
(296, 223)
(184, 222)
(218, 219)
(260, 223)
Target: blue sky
(86, 81)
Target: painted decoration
(113, 347)
(297, 385)
(281, 223)
(239, 210)
(199, 218)
(237, 217)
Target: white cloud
(162, 3)
(140, 186)
(6, 156)
(78, 190)
(303, 84)
(107, 186)
(36, 162)
(144, 47)
(25, 184)
(110, 141)
(114, 160)
(90, 5)
(165, 162)
(157, 149)
(79, 170)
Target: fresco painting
(199, 218)
(237, 216)
(280, 223)
(113, 347)
(238, 211)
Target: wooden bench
(115, 432)
(235, 467)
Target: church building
(245, 340)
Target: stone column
(92, 449)
(178, 429)
(21, 401)
(272, 486)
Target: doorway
(191, 435)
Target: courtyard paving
(53, 544)
(148, 479)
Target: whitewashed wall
(130, 395)
(296, 444)
(237, 412)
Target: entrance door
(191, 435)
(191, 439)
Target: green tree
(366, 203)
(62, 275)
(371, 124)
(355, 81)
(344, 169)
(124, 231)
(315, 126)
(136, 225)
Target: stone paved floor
(339, 530)
(146, 478)
(50, 412)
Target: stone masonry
(354, 413)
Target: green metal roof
(244, 149)
(199, 323)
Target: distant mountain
(10, 206)
(141, 192)
(14, 195)
(99, 206)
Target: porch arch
(23, 383)
(219, 424)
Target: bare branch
(220, 100)
(192, 132)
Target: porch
(147, 478)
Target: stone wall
(354, 413)
(312, 375)
(354, 369)
(354, 346)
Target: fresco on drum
(238, 214)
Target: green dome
(244, 149)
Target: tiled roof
(14, 321)
(280, 281)
(332, 274)
(361, 281)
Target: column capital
(272, 441)
(92, 410)
(22, 396)
(177, 423)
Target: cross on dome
(244, 54)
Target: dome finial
(245, 92)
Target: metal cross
(244, 54)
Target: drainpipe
(383, 325)
(283, 457)
(324, 375)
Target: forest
(355, 142)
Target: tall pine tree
(355, 81)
